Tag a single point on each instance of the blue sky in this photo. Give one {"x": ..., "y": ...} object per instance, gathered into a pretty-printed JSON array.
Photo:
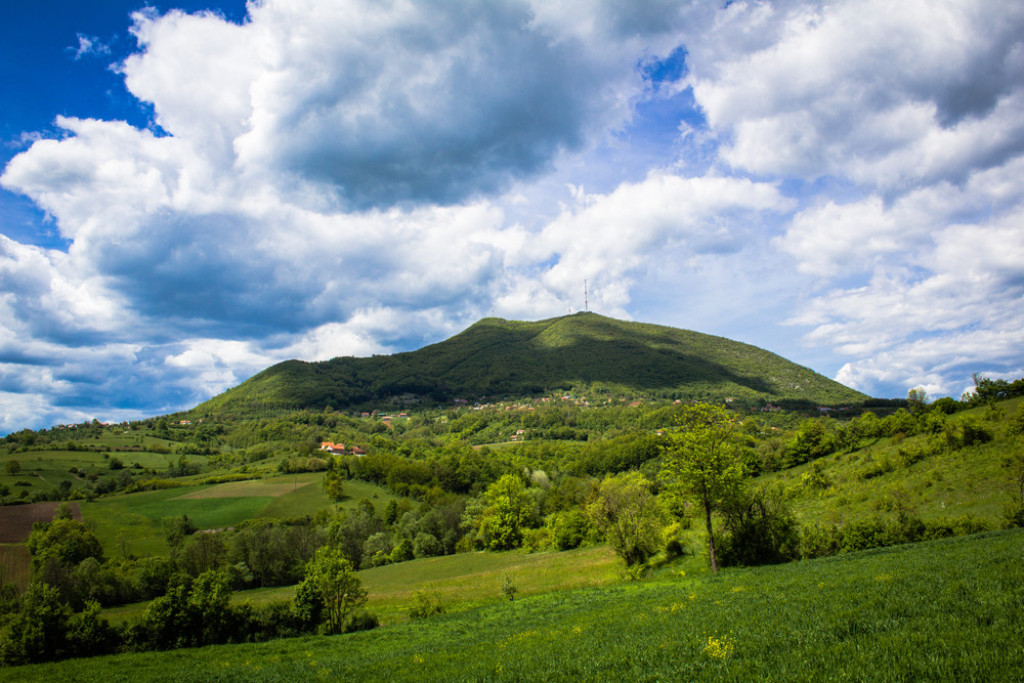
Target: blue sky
[{"x": 192, "y": 191}]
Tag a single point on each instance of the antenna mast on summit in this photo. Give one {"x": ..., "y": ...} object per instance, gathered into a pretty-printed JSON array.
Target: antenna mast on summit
[{"x": 586, "y": 303}]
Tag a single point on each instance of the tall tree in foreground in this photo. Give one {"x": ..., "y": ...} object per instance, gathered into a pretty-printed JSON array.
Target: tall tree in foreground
[
  {"x": 703, "y": 464},
  {"x": 331, "y": 591}
]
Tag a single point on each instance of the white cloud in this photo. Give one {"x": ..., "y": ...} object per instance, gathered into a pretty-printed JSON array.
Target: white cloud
[
  {"x": 88, "y": 46},
  {"x": 342, "y": 178},
  {"x": 607, "y": 238},
  {"x": 887, "y": 95}
]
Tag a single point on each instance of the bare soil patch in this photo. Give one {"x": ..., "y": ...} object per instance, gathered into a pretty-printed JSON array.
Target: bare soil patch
[{"x": 16, "y": 520}]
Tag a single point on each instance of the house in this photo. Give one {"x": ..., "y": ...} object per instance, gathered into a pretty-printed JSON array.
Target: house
[{"x": 331, "y": 447}]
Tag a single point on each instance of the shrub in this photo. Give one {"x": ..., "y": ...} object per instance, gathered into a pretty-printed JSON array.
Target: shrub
[
  {"x": 967, "y": 431},
  {"x": 815, "y": 477},
  {"x": 425, "y": 605},
  {"x": 568, "y": 529},
  {"x": 759, "y": 529},
  {"x": 426, "y": 545}
]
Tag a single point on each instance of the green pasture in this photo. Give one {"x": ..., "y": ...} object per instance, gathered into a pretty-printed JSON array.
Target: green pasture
[
  {"x": 916, "y": 477},
  {"x": 462, "y": 581},
  {"x": 948, "y": 610},
  {"x": 133, "y": 522},
  {"x": 44, "y": 470}
]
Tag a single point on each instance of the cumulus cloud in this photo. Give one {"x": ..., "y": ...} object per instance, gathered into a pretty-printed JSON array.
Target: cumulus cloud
[
  {"x": 943, "y": 273},
  {"x": 607, "y": 238},
  {"x": 345, "y": 178},
  {"x": 888, "y": 96}
]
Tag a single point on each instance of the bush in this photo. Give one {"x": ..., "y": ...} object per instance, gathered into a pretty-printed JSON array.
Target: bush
[
  {"x": 569, "y": 528},
  {"x": 759, "y": 529},
  {"x": 425, "y": 605},
  {"x": 967, "y": 431},
  {"x": 426, "y": 545}
]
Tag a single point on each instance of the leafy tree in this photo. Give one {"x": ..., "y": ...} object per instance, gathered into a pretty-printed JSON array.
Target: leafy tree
[
  {"x": 813, "y": 440},
  {"x": 57, "y": 548},
  {"x": 66, "y": 539},
  {"x": 569, "y": 528},
  {"x": 330, "y": 591},
  {"x": 349, "y": 534},
  {"x": 426, "y": 545},
  {"x": 12, "y": 467},
  {"x": 917, "y": 400},
  {"x": 89, "y": 635},
  {"x": 193, "y": 612},
  {"x": 177, "y": 528},
  {"x": 703, "y": 463},
  {"x": 334, "y": 485},
  {"x": 629, "y": 514},
  {"x": 508, "y": 509},
  {"x": 38, "y": 631},
  {"x": 200, "y": 553}
]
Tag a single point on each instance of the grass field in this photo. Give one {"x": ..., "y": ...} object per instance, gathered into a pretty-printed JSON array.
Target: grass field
[
  {"x": 463, "y": 581},
  {"x": 908, "y": 474},
  {"x": 44, "y": 470},
  {"x": 136, "y": 518},
  {"x": 460, "y": 582},
  {"x": 948, "y": 610}
]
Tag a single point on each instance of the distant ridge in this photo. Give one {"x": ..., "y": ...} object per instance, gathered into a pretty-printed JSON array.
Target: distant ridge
[{"x": 497, "y": 358}]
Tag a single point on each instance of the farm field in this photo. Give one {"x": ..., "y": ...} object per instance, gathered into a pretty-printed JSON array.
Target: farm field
[
  {"x": 941, "y": 610},
  {"x": 135, "y": 519},
  {"x": 15, "y": 526}
]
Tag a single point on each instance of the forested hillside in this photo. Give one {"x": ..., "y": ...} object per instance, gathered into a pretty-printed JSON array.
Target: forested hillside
[{"x": 497, "y": 359}]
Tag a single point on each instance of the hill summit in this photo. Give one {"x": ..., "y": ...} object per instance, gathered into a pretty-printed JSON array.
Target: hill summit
[{"x": 497, "y": 358}]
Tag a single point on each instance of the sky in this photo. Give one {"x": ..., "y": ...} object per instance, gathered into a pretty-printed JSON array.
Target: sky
[{"x": 192, "y": 191}]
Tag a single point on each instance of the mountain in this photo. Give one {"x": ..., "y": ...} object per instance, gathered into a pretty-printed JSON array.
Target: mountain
[{"x": 497, "y": 358}]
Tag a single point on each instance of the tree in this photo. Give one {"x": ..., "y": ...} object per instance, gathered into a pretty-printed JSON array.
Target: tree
[
  {"x": 759, "y": 527},
  {"x": 330, "y": 591},
  {"x": 628, "y": 513},
  {"x": 191, "y": 613},
  {"x": 12, "y": 467},
  {"x": 917, "y": 400},
  {"x": 702, "y": 463},
  {"x": 334, "y": 485},
  {"x": 57, "y": 548},
  {"x": 508, "y": 508},
  {"x": 38, "y": 631}
]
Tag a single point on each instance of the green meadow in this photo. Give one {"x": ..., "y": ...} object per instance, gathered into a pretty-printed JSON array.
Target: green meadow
[
  {"x": 911, "y": 474},
  {"x": 947, "y": 610},
  {"x": 133, "y": 522}
]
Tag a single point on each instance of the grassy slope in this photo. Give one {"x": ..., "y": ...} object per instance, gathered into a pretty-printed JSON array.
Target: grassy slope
[
  {"x": 460, "y": 582},
  {"x": 972, "y": 481},
  {"x": 500, "y": 357},
  {"x": 944, "y": 610},
  {"x": 44, "y": 470}
]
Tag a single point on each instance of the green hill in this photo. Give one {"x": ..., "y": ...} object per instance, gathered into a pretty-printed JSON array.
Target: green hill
[{"x": 497, "y": 358}]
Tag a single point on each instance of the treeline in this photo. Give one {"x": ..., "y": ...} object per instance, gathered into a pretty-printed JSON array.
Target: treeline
[{"x": 190, "y": 592}]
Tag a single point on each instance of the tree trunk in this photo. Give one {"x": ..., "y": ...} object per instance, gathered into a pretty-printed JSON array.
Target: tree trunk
[{"x": 711, "y": 538}]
